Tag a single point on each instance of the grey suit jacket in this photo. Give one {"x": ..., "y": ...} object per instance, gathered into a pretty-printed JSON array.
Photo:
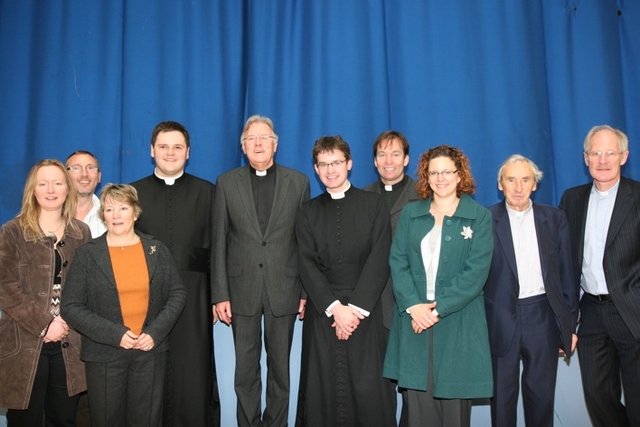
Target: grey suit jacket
[
  {"x": 407, "y": 196},
  {"x": 243, "y": 258},
  {"x": 621, "y": 261},
  {"x": 90, "y": 301}
]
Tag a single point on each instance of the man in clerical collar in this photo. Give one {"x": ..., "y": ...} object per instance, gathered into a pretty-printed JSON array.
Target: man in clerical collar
[
  {"x": 255, "y": 265},
  {"x": 84, "y": 169},
  {"x": 604, "y": 221},
  {"x": 177, "y": 208},
  {"x": 391, "y": 157},
  {"x": 344, "y": 236}
]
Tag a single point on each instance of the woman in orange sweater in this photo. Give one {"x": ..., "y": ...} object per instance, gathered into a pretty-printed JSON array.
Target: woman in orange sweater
[{"x": 123, "y": 295}]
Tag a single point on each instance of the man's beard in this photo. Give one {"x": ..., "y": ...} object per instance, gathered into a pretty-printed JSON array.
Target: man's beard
[{"x": 85, "y": 194}]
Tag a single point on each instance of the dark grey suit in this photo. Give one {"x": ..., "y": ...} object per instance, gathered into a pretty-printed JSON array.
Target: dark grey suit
[
  {"x": 90, "y": 303},
  {"x": 609, "y": 332},
  {"x": 258, "y": 274},
  {"x": 532, "y": 328}
]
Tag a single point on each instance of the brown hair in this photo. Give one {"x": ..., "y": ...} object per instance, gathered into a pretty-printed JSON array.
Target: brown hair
[
  {"x": 170, "y": 126},
  {"x": 331, "y": 144},
  {"x": 387, "y": 137},
  {"x": 78, "y": 152},
  {"x": 28, "y": 216},
  {"x": 467, "y": 184},
  {"x": 123, "y": 193}
]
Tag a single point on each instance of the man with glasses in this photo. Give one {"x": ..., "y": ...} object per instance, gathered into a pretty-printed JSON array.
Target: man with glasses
[
  {"x": 84, "y": 169},
  {"x": 344, "y": 236},
  {"x": 255, "y": 263},
  {"x": 604, "y": 221},
  {"x": 177, "y": 209}
]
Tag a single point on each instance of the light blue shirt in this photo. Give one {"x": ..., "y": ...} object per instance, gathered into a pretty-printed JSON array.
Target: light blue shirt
[{"x": 595, "y": 237}]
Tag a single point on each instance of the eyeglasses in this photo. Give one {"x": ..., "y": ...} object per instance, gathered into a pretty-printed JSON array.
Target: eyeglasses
[
  {"x": 78, "y": 168},
  {"x": 606, "y": 154},
  {"x": 261, "y": 138},
  {"x": 445, "y": 173},
  {"x": 333, "y": 164}
]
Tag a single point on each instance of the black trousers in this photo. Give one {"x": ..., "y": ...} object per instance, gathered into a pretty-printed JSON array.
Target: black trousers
[
  {"x": 128, "y": 391},
  {"x": 425, "y": 410},
  {"x": 49, "y": 396},
  {"x": 609, "y": 361}
]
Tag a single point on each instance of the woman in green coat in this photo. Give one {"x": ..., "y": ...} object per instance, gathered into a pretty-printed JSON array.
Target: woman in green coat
[{"x": 440, "y": 257}]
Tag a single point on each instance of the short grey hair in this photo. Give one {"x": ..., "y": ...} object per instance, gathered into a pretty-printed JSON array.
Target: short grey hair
[
  {"x": 537, "y": 173},
  {"x": 623, "y": 140},
  {"x": 256, "y": 118}
]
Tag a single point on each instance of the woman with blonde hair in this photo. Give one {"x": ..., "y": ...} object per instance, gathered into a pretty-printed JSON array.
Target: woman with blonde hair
[
  {"x": 40, "y": 368},
  {"x": 124, "y": 294}
]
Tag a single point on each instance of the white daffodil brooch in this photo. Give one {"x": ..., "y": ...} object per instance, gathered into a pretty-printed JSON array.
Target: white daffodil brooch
[
  {"x": 153, "y": 249},
  {"x": 467, "y": 232}
]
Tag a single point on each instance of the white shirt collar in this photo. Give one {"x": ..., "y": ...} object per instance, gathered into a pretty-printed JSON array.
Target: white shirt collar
[
  {"x": 341, "y": 194},
  {"x": 168, "y": 181}
]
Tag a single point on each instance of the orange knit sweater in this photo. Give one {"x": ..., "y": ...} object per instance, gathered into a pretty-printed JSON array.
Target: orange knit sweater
[{"x": 132, "y": 280}]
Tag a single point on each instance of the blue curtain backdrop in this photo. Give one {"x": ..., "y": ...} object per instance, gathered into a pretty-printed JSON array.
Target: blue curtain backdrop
[{"x": 492, "y": 77}]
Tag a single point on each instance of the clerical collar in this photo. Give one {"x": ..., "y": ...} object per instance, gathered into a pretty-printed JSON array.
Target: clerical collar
[
  {"x": 612, "y": 190},
  {"x": 397, "y": 186},
  {"x": 167, "y": 181},
  {"x": 269, "y": 170},
  {"x": 516, "y": 213},
  {"x": 341, "y": 194}
]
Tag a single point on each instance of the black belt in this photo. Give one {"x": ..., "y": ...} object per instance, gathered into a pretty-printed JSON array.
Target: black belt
[{"x": 601, "y": 297}]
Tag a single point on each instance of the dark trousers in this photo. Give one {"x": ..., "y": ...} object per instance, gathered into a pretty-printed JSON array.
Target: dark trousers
[
  {"x": 609, "y": 361},
  {"x": 83, "y": 413},
  {"x": 247, "y": 337},
  {"x": 49, "y": 396},
  {"x": 128, "y": 391},
  {"x": 191, "y": 388},
  {"x": 425, "y": 410},
  {"x": 536, "y": 342}
]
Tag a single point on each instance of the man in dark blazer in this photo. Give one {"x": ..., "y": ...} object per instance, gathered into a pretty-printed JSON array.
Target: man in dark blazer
[
  {"x": 531, "y": 297},
  {"x": 604, "y": 220},
  {"x": 391, "y": 157},
  {"x": 255, "y": 259}
]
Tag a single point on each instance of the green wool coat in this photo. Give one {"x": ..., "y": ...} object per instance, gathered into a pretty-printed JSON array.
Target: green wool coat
[{"x": 461, "y": 357}]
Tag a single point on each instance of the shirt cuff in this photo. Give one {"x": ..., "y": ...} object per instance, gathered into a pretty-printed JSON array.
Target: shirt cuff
[
  {"x": 364, "y": 312},
  {"x": 327, "y": 311}
]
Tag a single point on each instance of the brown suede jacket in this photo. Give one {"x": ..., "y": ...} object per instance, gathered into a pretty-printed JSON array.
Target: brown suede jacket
[{"x": 26, "y": 277}]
